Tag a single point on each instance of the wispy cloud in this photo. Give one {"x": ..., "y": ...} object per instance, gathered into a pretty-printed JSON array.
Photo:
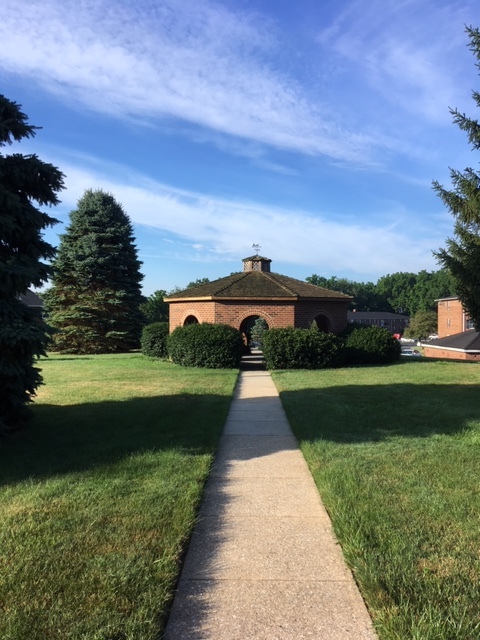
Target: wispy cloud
[
  {"x": 412, "y": 53},
  {"x": 209, "y": 228},
  {"x": 202, "y": 63}
]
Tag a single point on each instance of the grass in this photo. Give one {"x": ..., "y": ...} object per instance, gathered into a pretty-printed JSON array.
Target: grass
[
  {"x": 99, "y": 495},
  {"x": 395, "y": 454}
]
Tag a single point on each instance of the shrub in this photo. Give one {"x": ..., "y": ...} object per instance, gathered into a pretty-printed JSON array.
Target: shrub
[
  {"x": 213, "y": 346},
  {"x": 154, "y": 340},
  {"x": 301, "y": 349},
  {"x": 371, "y": 345}
]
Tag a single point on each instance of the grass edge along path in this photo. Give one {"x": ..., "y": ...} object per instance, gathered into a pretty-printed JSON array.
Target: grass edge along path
[
  {"x": 394, "y": 452},
  {"x": 100, "y": 493}
]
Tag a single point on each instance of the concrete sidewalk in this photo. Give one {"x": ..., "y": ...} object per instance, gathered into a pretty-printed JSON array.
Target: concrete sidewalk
[{"x": 263, "y": 563}]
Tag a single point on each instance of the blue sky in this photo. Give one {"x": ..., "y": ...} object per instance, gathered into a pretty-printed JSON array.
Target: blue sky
[{"x": 313, "y": 128}]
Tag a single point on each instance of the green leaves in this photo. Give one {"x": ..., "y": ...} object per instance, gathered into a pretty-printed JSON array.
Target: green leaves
[
  {"x": 95, "y": 299},
  {"x": 23, "y": 336},
  {"x": 462, "y": 253}
]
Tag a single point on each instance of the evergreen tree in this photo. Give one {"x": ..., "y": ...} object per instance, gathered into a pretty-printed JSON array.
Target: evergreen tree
[
  {"x": 23, "y": 181},
  {"x": 462, "y": 254},
  {"x": 258, "y": 330},
  {"x": 94, "y": 303}
]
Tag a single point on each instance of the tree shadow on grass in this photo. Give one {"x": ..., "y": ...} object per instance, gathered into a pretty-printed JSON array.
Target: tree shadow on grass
[
  {"x": 369, "y": 413},
  {"x": 65, "y": 439}
]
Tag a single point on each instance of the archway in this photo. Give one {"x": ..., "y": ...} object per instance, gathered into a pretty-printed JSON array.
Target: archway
[
  {"x": 191, "y": 319},
  {"x": 247, "y": 324},
  {"x": 323, "y": 323}
]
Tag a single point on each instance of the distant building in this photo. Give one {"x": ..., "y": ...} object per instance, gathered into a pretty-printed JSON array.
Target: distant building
[
  {"x": 452, "y": 318},
  {"x": 256, "y": 292},
  {"x": 457, "y": 339},
  {"x": 394, "y": 322}
]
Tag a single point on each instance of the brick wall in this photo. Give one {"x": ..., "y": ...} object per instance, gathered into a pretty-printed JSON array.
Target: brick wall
[
  {"x": 430, "y": 352},
  {"x": 334, "y": 312},
  {"x": 451, "y": 318},
  {"x": 278, "y": 314}
]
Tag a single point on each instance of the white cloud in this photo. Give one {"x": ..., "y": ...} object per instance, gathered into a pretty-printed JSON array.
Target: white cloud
[
  {"x": 211, "y": 228},
  {"x": 193, "y": 61},
  {"x": 413, "y": 53}
]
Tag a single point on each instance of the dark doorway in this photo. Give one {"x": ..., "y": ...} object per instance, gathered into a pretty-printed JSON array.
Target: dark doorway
[{"x": 322, "y": 323}]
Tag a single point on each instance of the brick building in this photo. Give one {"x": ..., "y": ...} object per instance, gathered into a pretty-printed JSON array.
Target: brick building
[
  {"x": 394, "y": 322},
  {"x": 457, "y": 339},
  {"x": 452, "y": 318},
  {"x": 256, "y": 292}
]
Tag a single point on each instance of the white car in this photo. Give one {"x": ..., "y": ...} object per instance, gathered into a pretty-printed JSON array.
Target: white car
[{"x": 411, "y": 352}]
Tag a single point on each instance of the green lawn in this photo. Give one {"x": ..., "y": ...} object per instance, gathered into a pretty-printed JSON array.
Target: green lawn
[
  {"x": 99, "y": 494},
  {"x": 395, "y": 452}
]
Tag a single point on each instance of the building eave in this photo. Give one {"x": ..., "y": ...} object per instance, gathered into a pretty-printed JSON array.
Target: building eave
[{"x": 250, "y": 299}]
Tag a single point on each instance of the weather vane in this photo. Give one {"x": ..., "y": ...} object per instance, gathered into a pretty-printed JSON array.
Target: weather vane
[{"x": 257, "y": 248}]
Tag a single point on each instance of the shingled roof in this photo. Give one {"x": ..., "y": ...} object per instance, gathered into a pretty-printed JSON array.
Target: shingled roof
[
  {"x": 468, "y": 341},
  {"x": 252, "y": 285}
]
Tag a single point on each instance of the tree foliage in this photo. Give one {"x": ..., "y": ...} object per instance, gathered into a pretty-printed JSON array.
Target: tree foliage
[
  {"x": 291, "y": 348},
  {"x": 422, "y": 325},
  {"x": 258, "y": 330},
  {"x": 365, "y": 295},
  {"x": 154, "y": 308},
  {"x": 371, "y": 345},
  {"x": 154, "y": 340},
  {"x": 210, "y": 346},
  {"x": 94, "y": 303},
  {"x": 401, "y": 292},
  {"x": 24, "y": 180},
  {"x": 461, "y": 256}
]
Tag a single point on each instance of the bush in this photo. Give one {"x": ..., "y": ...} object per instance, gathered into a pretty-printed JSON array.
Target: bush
[
  {"x": 213, "y": 346},
  {"x": 154, "y": 340},
  {"x": 371, "y": 345},
  {"x": 301, "y": 349}
]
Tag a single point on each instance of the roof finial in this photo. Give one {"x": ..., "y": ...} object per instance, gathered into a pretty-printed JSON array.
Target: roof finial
[{"x": 257, "y": 248}]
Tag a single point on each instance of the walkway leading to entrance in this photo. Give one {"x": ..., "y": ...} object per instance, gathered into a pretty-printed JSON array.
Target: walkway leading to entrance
[{"x": 263, "y": 563}]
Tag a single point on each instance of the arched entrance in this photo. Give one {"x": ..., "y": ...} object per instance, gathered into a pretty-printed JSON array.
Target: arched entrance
[
  {"x": 323, "y": 323},
  {"x": 247, "y": 325},
  {"x": 190, "y": 320}
]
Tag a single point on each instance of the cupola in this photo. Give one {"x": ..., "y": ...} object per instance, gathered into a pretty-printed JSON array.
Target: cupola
[{"x": 256, "y": 263}]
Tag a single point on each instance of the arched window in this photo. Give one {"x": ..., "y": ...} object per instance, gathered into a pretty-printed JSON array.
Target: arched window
[{"x": 190, "y": 320}]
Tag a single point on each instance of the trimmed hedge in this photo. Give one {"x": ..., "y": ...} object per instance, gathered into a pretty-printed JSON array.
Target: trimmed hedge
[
  {"x": 212, "y": 346},
  {"x": 153, "y": 341},
  {"x": 301, "y": 349},
  {"x": 371, "y": 345}
]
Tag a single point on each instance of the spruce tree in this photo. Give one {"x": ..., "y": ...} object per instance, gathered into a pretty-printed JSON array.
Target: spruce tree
[
  {"x": 24, "y": 180},
  {"x": 94, "y": 303},
  {"x": 462, "y": 253}
]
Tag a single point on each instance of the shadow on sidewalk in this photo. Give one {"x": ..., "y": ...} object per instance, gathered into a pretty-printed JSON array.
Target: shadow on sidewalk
[{"x": 253, "y": 362}]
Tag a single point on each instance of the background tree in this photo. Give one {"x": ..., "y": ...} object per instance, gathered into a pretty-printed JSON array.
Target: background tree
[
  {"x": 94, "y": 303},
  {"x": 23, "y": 181},
  {"x": 397, "y": 289},
  {"x": 462, "y": 254},
  {"x": 154, "y": 308},
  {"x": 430, "y": 286},
  {"x": 365, "y": 295},
  {"x": 400, "y": 292},
  {"x": 190, "y": 285},
  {"x": 197, "y": 283},
  {"x": 258, "y": 330},
  {"x": 422, "y": 324}
]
